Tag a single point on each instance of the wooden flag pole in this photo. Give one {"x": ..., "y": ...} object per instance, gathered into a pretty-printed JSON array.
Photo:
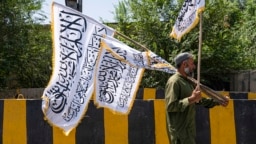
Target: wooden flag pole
[
  {"x": 199, "y": 51},
  {"x": 211, "y": 93},
  {"x": 136, "y": 43}
]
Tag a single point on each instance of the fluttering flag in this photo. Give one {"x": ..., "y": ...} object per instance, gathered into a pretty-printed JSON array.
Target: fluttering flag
[
  {"x": 119, "y": 71},
  {"x": 188, "y": 18},
  {"x": 76, "y": 44},
  {"x": 117, "y": 78},
  {"x": 155, "y": 62}
]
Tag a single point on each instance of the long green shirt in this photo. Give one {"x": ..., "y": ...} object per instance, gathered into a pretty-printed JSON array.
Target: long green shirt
[{"x": 179, "y": 113}]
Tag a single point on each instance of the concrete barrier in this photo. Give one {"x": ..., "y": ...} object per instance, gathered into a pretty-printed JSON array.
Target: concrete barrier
[{"x": 22, "y": 122}]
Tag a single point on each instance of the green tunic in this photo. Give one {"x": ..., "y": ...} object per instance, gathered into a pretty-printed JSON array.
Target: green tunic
[{"x": 179, "y": 113}]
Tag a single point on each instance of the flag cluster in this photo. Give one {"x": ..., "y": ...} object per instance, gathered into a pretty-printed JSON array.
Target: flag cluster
[{"x": 88, "y": 60}]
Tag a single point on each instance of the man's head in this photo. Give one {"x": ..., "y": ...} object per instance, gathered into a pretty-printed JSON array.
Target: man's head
[{"x": 184, "y": 62}]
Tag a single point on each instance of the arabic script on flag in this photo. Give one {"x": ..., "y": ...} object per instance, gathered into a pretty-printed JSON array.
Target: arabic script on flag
[
  {"x": 76, "y": 45},
  {"x": 188, "y": 18},
  {"x": 117, "y": 79}
]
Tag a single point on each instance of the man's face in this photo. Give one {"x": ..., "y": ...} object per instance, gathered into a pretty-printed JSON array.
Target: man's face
[{"x": 189, "y": 66}]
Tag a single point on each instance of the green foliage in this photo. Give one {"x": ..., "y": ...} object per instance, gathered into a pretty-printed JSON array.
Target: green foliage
[
  {"x": 228, "y": 36},
  {"x": 228, "y": 39},
  {"x": 25, "y": 47},
  {"x": 224, "y": 50},
  {"x": 150, "y": 23},
  {"x": 246, "y": 34}
]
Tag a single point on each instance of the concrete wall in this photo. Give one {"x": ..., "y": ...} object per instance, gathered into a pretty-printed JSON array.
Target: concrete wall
[
  {"x": 243, "y": 81},
  {"x": 22, "y": 122},
  {"x": 28, "y": 93}
]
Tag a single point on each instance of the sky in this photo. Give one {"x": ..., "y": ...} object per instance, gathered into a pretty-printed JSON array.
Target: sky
[{"x": 93, "y": 8}]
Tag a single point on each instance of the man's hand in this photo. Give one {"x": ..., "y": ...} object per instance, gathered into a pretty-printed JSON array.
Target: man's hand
[
  {"x": 195, "y": 97},
  {"x": 225, "y": 102}
]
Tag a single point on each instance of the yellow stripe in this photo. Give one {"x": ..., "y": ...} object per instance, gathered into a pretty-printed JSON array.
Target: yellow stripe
[
  {"x": 204, "y": 95},
  {"x": 251, "y": 95},
  {"x": 60, "y": 138},
  {"x": 116, "y": 128},
  {"x": 225, "y": 93},
  {"x": 160, "y": 123},
  {"x": 14, "y": 122},
  {"x": 149, "y": 93},
  {"x": 222, "y": 124}
]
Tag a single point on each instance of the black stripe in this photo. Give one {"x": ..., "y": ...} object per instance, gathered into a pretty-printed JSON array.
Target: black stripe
[
  {"x": 140, "y": 93},
  {"x": 91, "y": 128},
  {"x": 245, "y": 121},
  {"x": 159, "y": 93},
  {"x": 203, "y": 133},
  {"x": 39, "y": 131},
  {"x": 1, "y": 120},
  {"x": 234, "y": 95},
  {"x": 141, "y": 126}
]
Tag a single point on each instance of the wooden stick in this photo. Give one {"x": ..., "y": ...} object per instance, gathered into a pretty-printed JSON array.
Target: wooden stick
[
  {"x": 140, "y": 45},
  {"x": 199, "y": 51},
  {"x": 209, "y": 92},
  {"x": 136, "y": 43}
]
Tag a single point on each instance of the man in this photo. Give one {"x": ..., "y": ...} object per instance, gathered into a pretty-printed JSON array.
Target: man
[{"x": 181, "y": 97}]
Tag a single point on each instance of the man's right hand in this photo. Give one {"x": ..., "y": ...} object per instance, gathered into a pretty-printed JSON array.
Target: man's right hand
[{"x": 195, "y": 97}]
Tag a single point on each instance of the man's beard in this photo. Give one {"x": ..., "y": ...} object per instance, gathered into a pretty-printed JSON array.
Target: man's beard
[{"x": 188, "y": 72}]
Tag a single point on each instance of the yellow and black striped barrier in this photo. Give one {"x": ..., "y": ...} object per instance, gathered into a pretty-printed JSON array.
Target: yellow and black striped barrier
[{"x": 22, "y": 122}]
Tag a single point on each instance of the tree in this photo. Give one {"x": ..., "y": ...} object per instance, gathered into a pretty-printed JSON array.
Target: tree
[
  {"x": 25, "y": 45},
  {"x": 224, "y": 50},
  {"x": 246, "y": 34},
  {"x": 150, "y": 23},
  {"x": 141, "y": 20}
]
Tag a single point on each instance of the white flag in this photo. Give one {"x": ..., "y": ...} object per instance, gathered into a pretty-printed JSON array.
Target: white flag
[
  {"x": 155, "y": 62},
  {"x": 188, "y": 18},
  {"x": 147, "y": 59},
  {"x": 117, "y": 79},
  {"x": 119, "y": 72},
  {"x": 76, "y": 39}
]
